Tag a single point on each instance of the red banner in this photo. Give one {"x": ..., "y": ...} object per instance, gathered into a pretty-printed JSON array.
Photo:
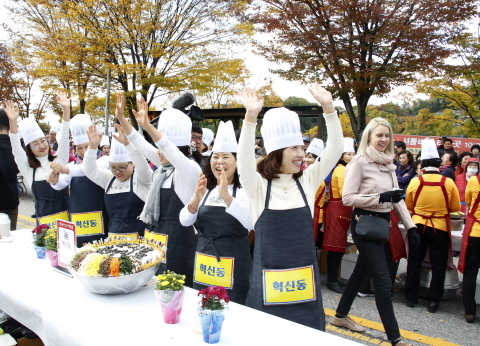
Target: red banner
[{"x": 414, "y": 143}]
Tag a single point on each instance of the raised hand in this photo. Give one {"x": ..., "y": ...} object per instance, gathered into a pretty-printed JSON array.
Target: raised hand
[
  {"x": 120, "y": 136},
  {"x": 322, "y": 96},
  {"x": 12, "y": 111},
  {"x": 63, "y": 100},
  {"x": 142, "y": 115},
  {"x": 120, "y": 106},
  {"x": 93, "y": 137},
  {"x": 223, "y": 189},
  {"x": 200, "y": 189},
  {"x": 253, "y": 103}
]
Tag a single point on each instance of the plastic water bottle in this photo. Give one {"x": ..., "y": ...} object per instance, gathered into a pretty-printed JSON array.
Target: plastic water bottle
[{"x": 4, "y": 225}]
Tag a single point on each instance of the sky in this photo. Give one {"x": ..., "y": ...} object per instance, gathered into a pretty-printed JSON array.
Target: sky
[{"x": 259, "y": 68}]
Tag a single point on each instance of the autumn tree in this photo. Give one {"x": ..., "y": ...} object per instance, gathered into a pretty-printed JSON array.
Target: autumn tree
[
  {"x": 362, "y": 47},
  {"x": 7, "y": 70},
  {"x": 220, "y": 82},
  {"x": 459, "y": 83}
]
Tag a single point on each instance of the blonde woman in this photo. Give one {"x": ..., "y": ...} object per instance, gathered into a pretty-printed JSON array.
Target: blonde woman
[{"x": 370, "y": 184}]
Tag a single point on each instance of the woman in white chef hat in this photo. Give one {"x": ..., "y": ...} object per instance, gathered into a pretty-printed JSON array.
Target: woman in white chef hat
[
  {"x": 34, "y": 161},
  {"x": 220, "y": 209},
  {"x": 173, "y": 185},
  {"x": 285, "y": 278},
  {"x": 126, "y": 183},
  {"x": 87, "y": 208}
]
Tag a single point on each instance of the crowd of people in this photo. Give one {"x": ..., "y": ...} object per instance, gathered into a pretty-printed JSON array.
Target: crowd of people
[{"x": 205, "y": 196}]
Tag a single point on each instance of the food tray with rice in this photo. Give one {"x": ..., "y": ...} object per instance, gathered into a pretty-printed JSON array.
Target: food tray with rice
[{"x": 114, "y": 267}]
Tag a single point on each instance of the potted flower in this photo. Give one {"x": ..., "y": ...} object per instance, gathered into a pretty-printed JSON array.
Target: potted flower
[
  {"x": 51, "y": 246},
  {"x": 169, "y": 293},
  {"x": 39, "y": 234},
  {"x": 212, "y": 312}
]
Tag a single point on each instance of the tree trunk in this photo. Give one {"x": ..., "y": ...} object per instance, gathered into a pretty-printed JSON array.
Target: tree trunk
[
  {"x": 82, "y": 105},
  {"x": 131, "y": 103}
]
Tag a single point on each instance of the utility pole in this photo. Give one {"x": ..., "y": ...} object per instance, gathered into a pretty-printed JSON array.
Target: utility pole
[{"x": 107, "y": 106}]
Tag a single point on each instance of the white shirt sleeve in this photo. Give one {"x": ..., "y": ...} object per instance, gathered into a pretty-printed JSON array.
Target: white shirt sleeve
[
  {"x": 247, "y": 165},
  {"x": 101, "y": 177},
  {"x": 240, "y": 209},
  {"x": 20, "y": 156},
  {"x": 63, "y": 145},
  {"x": 186, "y": 218},
  {"x": 316, "y": 174},
  {"x": 142, "y": 169},
  {"x": 145, "y": 148}
]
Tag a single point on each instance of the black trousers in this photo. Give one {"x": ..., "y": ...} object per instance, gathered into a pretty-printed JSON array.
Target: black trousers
[
  {"x": 392, "y": 268},
  {"x": 439, "y": 247},
  {"x": 469, "y": 283},
  {"x": 372, "y": 263}
]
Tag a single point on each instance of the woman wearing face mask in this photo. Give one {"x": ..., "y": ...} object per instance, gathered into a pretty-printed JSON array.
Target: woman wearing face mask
[
  {"x": 126, "y": 183},
  {"x": 218, "y": 201},
  {"x": 371, "y": 188},
  {"x": 35, "y": 165},
  {"x": 469, "y": 259},
  {"x": 173, "y": 185},
  {"x": 462, "y": 160},
  {"x": 471, "y": 168},
  {"x": 337, "y": 219},
  {"x": 282, "y": 200}
]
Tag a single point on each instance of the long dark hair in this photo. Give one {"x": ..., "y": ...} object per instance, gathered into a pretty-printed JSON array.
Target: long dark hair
[
  {"x": 341, "y": 161},
  {"x": 269, "y": 168},
  {"x": 212, "y": 180},
  {"x": 32, "y": 159},
  {"x": 197, "y": 156}
]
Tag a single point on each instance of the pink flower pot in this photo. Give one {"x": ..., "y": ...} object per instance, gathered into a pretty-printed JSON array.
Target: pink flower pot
[
  {"x": 171, "y": 303},
  {"x": 53, "y": 256}
]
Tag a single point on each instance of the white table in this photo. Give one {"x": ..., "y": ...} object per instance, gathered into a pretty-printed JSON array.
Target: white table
[{"x": 63, "y": 313}]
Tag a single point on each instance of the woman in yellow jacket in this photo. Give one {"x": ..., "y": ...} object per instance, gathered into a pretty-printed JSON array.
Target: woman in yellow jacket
[
  {"x": 469, "y": 260},
  {"x": 337, "y": 220},
  {"x": 431, "y": 197}
]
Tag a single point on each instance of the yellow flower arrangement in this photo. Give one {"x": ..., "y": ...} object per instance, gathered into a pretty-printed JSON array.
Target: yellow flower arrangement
[
  {"x": 170, "y": 281},
  {"x": 51, "y": 240}
]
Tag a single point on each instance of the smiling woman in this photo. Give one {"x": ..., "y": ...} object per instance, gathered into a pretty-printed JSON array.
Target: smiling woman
[
  {"x": 34, "y": 162},
  {"x": 282, "y": 199}
]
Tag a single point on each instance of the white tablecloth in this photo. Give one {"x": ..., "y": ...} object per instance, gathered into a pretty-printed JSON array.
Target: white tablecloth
[
  {"x": 63, "y": 313},
  {"x": 456, "y": 237}
]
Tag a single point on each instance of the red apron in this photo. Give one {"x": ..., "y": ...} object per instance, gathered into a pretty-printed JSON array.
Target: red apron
[
  {"x": 336, "y": 222},
  {"x": 467, "y": 229},
  {"x": 316, "y": 213},
  {"x": 397, "y": 245},
  {"x": 430, "y": 218}
]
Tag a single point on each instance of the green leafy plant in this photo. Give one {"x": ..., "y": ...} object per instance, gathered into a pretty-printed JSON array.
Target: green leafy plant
[{"x": 170, "y": 281}]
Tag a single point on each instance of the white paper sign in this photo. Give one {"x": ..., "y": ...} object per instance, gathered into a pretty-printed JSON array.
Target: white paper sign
[{"x": 66, "y": 242}]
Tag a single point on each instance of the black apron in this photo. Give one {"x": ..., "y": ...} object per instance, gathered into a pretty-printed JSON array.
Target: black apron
[
  {"x": 123, "y": 210},
  {"x": 86, "y": 197},
  {"x": 284, "y": 239},
  {"x": 48, "y": 201},
  {"x": 222, "y": 235},
  {"x": 182, "y": 241}
]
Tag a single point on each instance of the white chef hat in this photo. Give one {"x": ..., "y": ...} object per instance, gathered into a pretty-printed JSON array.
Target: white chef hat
[
  {"x": 225, "y": 142},
  {"x": 280, "y": 129},
  {"x": 429, "y": 149},
  {"x": 207, "y": 136},
  {"x": 56, "y": 127},
  {"x": 29, "y": 130},
  {"x": 79, "y": 126},
  {"x": 348, "y": 145},
  {"x": 176, "y": 126},
  {"x": 316, "y": 147},
  {"x": 118, "y": 152},
  {"x": 105, "y": 141}
]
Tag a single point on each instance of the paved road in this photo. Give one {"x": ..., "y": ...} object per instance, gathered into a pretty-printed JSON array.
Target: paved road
[{"x": 444, "y": 328}]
